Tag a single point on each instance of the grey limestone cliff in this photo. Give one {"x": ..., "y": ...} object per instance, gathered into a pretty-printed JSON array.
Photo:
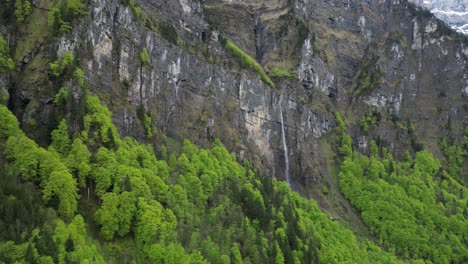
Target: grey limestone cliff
[{"x": 351, "y": 56}]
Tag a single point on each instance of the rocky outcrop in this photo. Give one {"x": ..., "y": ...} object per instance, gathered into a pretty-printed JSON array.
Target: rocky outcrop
[{"x": 454, "y": 12}]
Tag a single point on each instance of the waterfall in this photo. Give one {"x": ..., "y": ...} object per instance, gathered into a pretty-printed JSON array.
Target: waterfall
[{"x": 285, "y": 147}]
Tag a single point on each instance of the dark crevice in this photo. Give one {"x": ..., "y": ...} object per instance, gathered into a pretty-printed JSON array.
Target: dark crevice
[{"x": 258, "y": 38}]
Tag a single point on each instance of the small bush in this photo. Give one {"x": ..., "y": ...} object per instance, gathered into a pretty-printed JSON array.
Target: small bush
[
  {"x": 246, "y": 61},
  {"x": 63, "y": 66},
  {"x": 6, "y": 63},
  {"x": 62, "y": 14},
  {"x": 410, "y": 127},
  {"x": 63, "y": 96},
  {"x": 147, "y": 122},
  {"x": 144, "y": 57},
  {"x": 146, "y": 119},
  {"x": 344, "y": 141},
  {"x": 368, "y": 77},
  {"x": 4, "y": 96},
  {"x": 79, "y": 76},
  {"x": 22, "y": 9},
  {"x": 325, "y": 189},
  {"x": 135, "y": 8},
  {"x": 364, "y": 125},
  {"x": 369, "y": 120}
]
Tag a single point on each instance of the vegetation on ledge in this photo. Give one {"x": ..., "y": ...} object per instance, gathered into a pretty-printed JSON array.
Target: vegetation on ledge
[
  {"x": 368, "y": 76},
  {"x": 6, "y": 62},
  {"x": 246, "y": 61},
  {"x": 282, "y": 73},
  {"x": 62, "y": 14}
]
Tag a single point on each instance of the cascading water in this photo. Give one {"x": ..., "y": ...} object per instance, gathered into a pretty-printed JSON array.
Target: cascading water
[{"x": 285, "y": 147}]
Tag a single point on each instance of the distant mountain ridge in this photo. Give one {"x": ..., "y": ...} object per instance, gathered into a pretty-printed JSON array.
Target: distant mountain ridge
[{"x": 454, "y": 12}]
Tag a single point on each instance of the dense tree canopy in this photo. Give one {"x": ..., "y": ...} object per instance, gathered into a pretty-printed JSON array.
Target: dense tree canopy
[
  {"x": 199, "y": 206},
  {"x": 417, "y": 209},
  {"x": 202, "y": 206}
]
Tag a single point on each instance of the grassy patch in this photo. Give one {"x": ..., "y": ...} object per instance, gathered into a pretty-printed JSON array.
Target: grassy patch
[
  {"x": 283, "y": 73},
  {"x": 135, "y": 8},
  {"x": 317, "y": 50},
  {"x": 368, "y": 76},
  {"x": 144, "y": 57},
  {"x": 246, "y": 61}
]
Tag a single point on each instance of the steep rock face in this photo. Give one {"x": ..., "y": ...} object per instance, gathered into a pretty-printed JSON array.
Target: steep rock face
[
  {"x": 421, "y": 72},
  {"x": 188, "y": 96},
  {"x": 454, "y": 12},
  {"x": 194, "y": 89}
]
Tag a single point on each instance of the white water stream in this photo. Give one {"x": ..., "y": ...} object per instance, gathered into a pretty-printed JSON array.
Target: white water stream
[{"x": 285, "y": 148}]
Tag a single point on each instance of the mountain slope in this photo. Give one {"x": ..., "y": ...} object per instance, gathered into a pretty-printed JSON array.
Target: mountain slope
[
  {"x": 345, "y": 58},
  {"x": 295, "y": 89},
  {"x": 197, "y": 207}
]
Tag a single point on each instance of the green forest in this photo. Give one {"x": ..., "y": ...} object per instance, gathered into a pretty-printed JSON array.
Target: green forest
[
  {"x": 92, "y": 197},
  {"x": 417, "y": 209}
]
